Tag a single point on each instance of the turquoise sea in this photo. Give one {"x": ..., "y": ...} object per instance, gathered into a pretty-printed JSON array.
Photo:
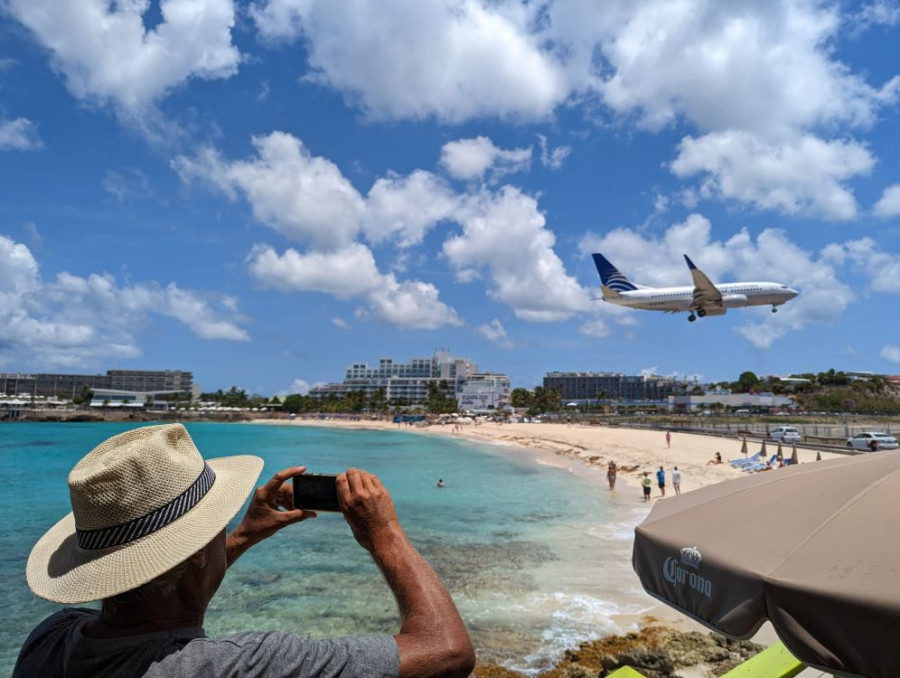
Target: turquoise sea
[{"x": 536, "y": 556}]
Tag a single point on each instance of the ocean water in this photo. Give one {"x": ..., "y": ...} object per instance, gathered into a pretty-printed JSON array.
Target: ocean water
[{"x": 536, "y": 556}]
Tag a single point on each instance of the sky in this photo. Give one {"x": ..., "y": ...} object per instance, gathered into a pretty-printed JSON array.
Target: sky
[{"x": 266, "y": 191}]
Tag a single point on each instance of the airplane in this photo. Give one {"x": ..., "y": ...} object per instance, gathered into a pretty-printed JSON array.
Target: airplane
[{"x": 704, "y": 298}]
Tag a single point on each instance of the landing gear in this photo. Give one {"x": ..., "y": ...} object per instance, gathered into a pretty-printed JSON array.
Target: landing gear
[
  {"x": 692, "y": 317},
  {"x": 774, "y": 310},
  {"x": 701, "y": 313}
]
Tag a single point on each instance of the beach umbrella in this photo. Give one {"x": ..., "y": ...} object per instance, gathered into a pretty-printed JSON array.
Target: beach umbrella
[
  {"x": 744, "y": 447},
  {"x": 762, "y": 450},
  {"x": 779, "y": 453},
  {"x": 818, "y": 456},
  {"x": 824, "y": 574},
  {"x": 794, "y": 458}
]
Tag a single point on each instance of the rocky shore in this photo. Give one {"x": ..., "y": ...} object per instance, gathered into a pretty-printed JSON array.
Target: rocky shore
[{"x": 656, "y": 651}]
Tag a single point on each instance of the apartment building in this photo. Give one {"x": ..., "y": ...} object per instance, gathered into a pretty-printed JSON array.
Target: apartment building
[
  {"x": 402, "y": 382},
  {"x": 69, "y": 386},
  {"x": 612, "y": 387}
]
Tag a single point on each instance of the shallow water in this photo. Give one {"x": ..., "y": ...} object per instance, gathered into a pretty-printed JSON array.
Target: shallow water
[{"x": 536, "y": 557}]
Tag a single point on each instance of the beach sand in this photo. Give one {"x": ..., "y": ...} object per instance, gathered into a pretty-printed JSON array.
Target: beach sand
[{"x": 633, "y": 450}]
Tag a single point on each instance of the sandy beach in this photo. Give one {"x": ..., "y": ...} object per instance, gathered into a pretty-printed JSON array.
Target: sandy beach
[{"x": 633, "y": 450}]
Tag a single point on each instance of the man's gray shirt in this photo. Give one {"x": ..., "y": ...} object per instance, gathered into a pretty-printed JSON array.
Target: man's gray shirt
[{"x": 58, "y": 648}]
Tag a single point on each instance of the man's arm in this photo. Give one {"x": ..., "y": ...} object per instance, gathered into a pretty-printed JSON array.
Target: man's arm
[
  {"x": 433, "y": 640},
  {"x": 271, "y": 508}
]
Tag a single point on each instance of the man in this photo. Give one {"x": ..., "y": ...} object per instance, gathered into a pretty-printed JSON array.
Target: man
[
  {"x": 147, "y": 537},
  {"x": 676, "y": 480},
  {"x": 646, "y": 483},
  {"x": 661, "y": 481}
]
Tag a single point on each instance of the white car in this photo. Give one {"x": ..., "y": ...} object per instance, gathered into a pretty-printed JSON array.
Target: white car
[
  {"x": 863, "y": 441},
  {"x": 786, "y": 434}
]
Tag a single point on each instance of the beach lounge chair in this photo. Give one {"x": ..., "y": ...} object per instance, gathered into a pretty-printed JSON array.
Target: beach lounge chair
[
  {"x": 747, "y": 460},
  {"x": 625, "y": 672},
  {"x": 753, "y": 468},
  {"x": 773, "y": 662}
]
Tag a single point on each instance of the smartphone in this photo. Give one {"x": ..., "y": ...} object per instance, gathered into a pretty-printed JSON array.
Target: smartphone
[{"x": 316, "y": 492}]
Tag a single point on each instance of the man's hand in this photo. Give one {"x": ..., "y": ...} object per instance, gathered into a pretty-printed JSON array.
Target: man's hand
[
  {"x": 367, "y": 508},
  {"x": 433, "y": 640},
  {"x": 271, "y": 508}
]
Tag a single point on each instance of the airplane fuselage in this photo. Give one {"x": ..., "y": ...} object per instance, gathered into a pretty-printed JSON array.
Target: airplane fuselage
[{"x": 734, "y": 295}]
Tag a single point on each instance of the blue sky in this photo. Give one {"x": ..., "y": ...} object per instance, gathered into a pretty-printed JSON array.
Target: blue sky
[{"x": 264, "y": 192}]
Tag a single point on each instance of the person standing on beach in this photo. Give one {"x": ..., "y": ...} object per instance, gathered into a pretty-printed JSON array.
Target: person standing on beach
[
  {"x": 646, "y": 483},
  {"x": 668, "y": 439},
  {"x": 147, "y": 537},
  {"x": 611, "y": 474},
  {"x": 676, "y": 480},
  {"x": 661, "y": 481}
]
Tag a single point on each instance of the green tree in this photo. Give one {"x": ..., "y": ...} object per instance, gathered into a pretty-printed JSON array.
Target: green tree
[
  {"x": 748, "y": 381},
  {"x": 355, "y": 401},
  {"x": 439, "y": 401},
  {"x": 378, "y": 400},
  {"x": 83, "y": 398},
  {"x": 521, "y": 397}
]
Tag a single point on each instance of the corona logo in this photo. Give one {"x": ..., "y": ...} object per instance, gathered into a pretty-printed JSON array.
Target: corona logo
[
  {"x": 691, "y": 557},
  {"x": 675, "y": 574}
]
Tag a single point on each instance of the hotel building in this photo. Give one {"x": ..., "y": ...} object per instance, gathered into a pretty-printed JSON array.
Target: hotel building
[{"x": 403, "y": 382}]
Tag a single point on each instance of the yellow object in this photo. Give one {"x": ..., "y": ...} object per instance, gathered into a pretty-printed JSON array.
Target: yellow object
[
  {"x": 625, "y": 672},
  {"x": 773, "y": 662}
]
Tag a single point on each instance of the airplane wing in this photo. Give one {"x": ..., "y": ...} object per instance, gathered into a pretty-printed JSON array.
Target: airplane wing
[{"x": 706, "y": 295}]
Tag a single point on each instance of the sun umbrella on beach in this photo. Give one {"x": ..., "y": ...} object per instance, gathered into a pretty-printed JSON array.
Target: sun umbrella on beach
[
  {"x": 744, "y": 447},
  {"x": 794, "y": 458},
  {"x": 779, "y": 453},
  {"x": 824, "y": 572},
  {"x": 762, "y": 450},
  {"x": 818, "y": 456}
]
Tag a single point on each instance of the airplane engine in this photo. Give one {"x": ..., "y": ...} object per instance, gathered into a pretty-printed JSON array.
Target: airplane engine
[{"x": 734, "y": 300}]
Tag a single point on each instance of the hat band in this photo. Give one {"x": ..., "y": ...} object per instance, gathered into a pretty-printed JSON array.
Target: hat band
[{"x": 157, "y": 519}]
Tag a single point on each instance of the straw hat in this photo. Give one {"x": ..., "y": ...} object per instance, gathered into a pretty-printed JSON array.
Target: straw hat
[{"x": 142, "y": 502}]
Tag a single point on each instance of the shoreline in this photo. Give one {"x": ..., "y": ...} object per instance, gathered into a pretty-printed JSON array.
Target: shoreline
[
  {"x": 586, "y": 450},
  {"x": 633, "y": 450}
]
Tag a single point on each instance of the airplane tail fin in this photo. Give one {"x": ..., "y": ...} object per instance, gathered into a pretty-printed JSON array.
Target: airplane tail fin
[{"x": 611, "y": 277}]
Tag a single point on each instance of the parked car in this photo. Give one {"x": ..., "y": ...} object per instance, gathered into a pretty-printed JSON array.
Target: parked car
[
  {"x": 786, "y": 434},
  {"x": 863, "y": 441}
]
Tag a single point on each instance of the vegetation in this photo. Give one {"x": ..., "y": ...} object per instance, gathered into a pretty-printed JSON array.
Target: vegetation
[{"x": 539, "y": 401}]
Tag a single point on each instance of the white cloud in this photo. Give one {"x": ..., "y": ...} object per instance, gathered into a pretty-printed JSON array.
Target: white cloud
[
  {"x": 889, "y": 203},
  {"x": 352, "y": 273},
  {"x": 19, "y": 135},
  {"x": 882, "y": 268},
  {"x": 804, "y": 175},
  {"x": 300, "y": 386},
  {"x": 552, "y": 157},
  {"x": 505, "y": 233},
  {"x": 75, "y": 321},
  {"x": 766, "y": 67},
  {"x": 410, "y": 304},
  {"x": 877, "y": 13},
  {"x": 341, "y": 323},
  {"x": 773, "y": 256},
  {"x": 130, "y": 182},
  {"x": 471, "y": 158},
  {"x": 891, "y": 353},
  {"x": 405, "y": 208},
  {"x": 595, "y": 328},
  {"x": 495, "y": 333},
  {"x": 303, "y": 197},
  {"x": 107, "y": 54},
  {"x": 451, "y": 59}
]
